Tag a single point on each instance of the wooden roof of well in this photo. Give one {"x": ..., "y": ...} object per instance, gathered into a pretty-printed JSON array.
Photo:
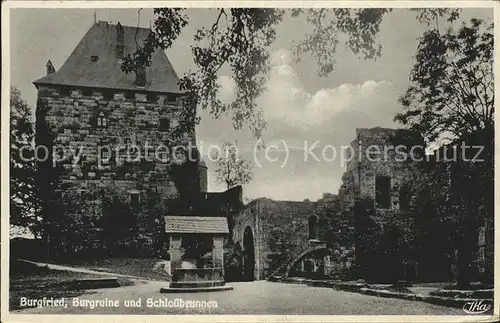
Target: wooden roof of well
[{"x": 196, "y": 224}]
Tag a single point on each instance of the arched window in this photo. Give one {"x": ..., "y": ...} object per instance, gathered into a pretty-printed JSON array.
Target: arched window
[
  {"x": 313, "y": 228},
  {"x": 101, "y": 120}
]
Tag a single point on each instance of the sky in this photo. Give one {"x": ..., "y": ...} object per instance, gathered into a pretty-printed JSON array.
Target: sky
[{"x": 308, "y": 116}]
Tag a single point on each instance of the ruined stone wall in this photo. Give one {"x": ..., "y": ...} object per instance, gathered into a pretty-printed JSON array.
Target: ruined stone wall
[
  {"x": 374, "y": 155},
  {"x": 280, "y": 230},
  {"x": 247, "y": 217},
  {"x": 367, "y": 164}
]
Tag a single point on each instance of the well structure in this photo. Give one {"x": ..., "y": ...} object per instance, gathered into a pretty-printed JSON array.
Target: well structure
[{"x": 208, "y": 278}]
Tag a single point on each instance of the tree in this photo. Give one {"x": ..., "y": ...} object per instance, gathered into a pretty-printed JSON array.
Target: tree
[
  {"x": 451, "y": 97},
  {"x": 23, "y": 200},
  {"x": 451, "y": 90},
  {"x": 231, "y": 169},
  {"x": 239, "y": 39},
  {"x": 70, "y": 229},
  {"x": 360, "y": 28}
]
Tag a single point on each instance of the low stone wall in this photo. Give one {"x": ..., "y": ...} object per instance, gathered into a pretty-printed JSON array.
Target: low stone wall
[
  {"x": 363, "y": 288},
  {"x": 198, "y": 274},
  {"x": 476, "y": 294},
  {"x": 197, "y": 278}
]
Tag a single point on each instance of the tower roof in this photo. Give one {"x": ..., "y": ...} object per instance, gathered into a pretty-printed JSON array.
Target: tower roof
[{"x": 94, "y": 62}]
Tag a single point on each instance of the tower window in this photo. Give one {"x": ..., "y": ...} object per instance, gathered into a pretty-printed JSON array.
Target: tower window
[
  {"x": 108, "y": 95},
  {"x": 135, "y": 200},
  {"x": 164, "y": 124},
  {"x": 152, "y": 97},
  {"x": 171, "y": 98},
  {"x": 130, "y": 95},
  {"x": 313, "y": 228},
  {"x": 64, "y": 90},
  {"x": 101, "y": 120},
  {"x": 87, "y": 92},
  {"x": 383, "y": 192},
  {"x": 105, "y": 156}
]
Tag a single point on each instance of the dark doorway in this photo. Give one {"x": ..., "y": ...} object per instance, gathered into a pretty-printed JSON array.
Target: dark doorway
[
  {"x": 313, "y": 228},
  {"x": 248, "y": 255},
  {"x": 383, "y": 192}
]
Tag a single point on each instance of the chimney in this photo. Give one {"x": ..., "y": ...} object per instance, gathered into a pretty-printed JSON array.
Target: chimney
[
  {"x": 140, "y": 76},
  {"x": 50, "y": 67},
  {"x": 120, "y": 43}
]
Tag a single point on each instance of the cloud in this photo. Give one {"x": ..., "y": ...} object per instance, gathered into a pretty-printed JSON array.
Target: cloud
[{"x": 286, "y": 99}]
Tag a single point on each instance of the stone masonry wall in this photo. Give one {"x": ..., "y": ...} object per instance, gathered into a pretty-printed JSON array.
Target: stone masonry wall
[
  {"x": 359, "y": 178},
  {"x": 131, "y": 119},
  {"x": 280, "y": 230}
]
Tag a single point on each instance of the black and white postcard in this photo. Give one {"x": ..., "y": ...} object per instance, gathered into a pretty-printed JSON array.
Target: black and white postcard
[{"x": 249, "y": 161}]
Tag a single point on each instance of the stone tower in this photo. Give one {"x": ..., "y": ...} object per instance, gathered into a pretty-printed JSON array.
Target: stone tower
[{"x": 100, "y": 120}]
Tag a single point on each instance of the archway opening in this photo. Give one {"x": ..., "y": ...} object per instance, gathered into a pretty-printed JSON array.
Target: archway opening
[
  {"x": 310, "y": 264},
  {"x": 248, "y": 255}
]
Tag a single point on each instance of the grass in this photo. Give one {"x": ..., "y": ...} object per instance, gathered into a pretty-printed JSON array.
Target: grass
[
  {"x": 140, "y": 267},
  {"x": 31, "y": 281}
]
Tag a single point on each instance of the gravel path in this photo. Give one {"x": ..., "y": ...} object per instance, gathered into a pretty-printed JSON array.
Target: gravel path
[{"x": 260, "y": 297}]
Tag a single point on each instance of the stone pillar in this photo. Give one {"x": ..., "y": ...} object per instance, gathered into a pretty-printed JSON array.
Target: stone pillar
[
  {"x": 175, "y": 252},
  {"x": 218, "y": 252},
  {"x": 326, "y": 262}
]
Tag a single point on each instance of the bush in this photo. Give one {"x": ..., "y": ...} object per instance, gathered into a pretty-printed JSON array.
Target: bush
[
  {"x": 233, "y": 264},
  {"x": 26, "y": 248}
]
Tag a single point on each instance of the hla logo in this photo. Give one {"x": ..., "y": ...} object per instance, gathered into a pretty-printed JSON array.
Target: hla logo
[{"x": 477, "y": 307}]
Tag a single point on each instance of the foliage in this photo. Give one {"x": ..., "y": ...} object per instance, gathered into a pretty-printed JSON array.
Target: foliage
[
  {"x": 70, "y": 228},
  {"x": 47, "y": 177},
  {"x": 103, "y": 221},
  {"x": 359, "y": 27},
  {"x": 187, "y": 183},
  {"x": 452, "y": 196},
  {"x": 133, "y": 229},
  {"x": 196, "y": 246},
  {"x": 333, "y": 223},
  {"x": 451, "y": 90},
  {"x": 152, "y": 220},
  {"x": 118, "y": 221},
  {"x": 231, "y": 169},
  {"x": 451, "y": 97},
  {"x": 381, "y": 242},
  {"x": 239, "y": 39},
  {"x": 23, "y": 200}
]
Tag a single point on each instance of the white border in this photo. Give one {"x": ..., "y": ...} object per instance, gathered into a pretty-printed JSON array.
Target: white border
[{"x": 9, "y": 317}]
